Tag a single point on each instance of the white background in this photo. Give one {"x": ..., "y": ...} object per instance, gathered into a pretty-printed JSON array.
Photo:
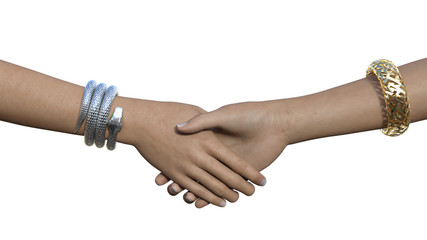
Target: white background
[{"x": 211, "y": 53}]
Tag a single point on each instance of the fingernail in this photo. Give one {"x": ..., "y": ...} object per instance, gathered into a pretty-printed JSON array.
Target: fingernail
[
  {"x": 187, "y": 200},
  {"x": 172, "y": 190},
  {"x": 223, "y": 204},
  {"x": 181, "y": 124},
  {"x": 263, "y": 182}
]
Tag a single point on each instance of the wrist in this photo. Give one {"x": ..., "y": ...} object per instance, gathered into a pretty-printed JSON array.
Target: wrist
[
  {"x": 130, "y": 118},
  {"x": 143, "y": 117},
  {"x": 281, "y": 118},
  {"x": 349, "y": 108},
  {"x": 295, "y": 119}
]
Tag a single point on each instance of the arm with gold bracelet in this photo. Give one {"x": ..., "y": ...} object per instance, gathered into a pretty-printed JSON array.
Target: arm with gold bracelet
[{"x": 259, "y": 131}]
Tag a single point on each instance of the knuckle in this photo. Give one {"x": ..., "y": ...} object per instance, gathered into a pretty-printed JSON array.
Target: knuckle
[
  {"x": 197, "y": 119},
  {"x": 200, "y": 161},
  {"x": 205, "y": 194},
  {"x": 198, "y": 109},
  {"x": 236, "y": 181},
  {"x": 191, "y": 168},
  {"x": 242, "y": 167},
  {"x": 232, "y": 181},
  {"x": 202, "y": 194},
  {"x": 215, "y": 146},
  {"x": 222, "y": 191},
  {"x": 208, "y": 142}
]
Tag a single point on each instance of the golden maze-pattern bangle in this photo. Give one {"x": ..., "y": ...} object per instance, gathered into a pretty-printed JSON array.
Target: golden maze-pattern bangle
[{"x": 395, "y": 96}]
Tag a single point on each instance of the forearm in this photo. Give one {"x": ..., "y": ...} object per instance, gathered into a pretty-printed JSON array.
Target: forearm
[
  {"x": 354, "y": 107},
  {"x": 200, "y": 162},
  {"x": 37, "y": 100}
]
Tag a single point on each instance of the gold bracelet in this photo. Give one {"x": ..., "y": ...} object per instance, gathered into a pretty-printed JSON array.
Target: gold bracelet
[{"x": 395, "y": 96}]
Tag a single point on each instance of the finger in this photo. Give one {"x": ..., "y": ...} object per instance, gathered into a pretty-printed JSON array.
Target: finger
[
  {"x": 226, "y": 175},
  {"x": 189, "y": 197},
  {"x": 200, "y": 203},
  {"x": 199, "y": 190},
  {"x": 174, "y": 189},
  {"x": 201, "y": 122},
  {"x": 161, "y": 179},
  {"x": 213, "y": 184},
  {"x": 238, "y": 165}
]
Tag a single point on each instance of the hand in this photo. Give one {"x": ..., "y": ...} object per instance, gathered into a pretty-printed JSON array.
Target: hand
[
  {"x": 254, "y": 131},
  {"x": 198, "y": 162}
]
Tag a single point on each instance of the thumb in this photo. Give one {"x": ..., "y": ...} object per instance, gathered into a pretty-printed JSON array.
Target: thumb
[{"x": 200, "y": 122}]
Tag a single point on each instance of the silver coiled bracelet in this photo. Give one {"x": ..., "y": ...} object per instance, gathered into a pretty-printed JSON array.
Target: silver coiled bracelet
[
  {"x": 95, "y": 108},
  {"x": 87, "y": 97},
  {"x": 104, "y": 111},
  {"x": 92, "y": 116}
]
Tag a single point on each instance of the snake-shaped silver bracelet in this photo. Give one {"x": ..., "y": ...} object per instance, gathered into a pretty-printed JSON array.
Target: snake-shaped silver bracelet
[
  {"x": 92, "y": 116},
  {"x": 84, "y": 107},
  {"x": 104, "y": 111},
  {"x": 114, "y": 126},
  {"x": 96, "y": 105}
]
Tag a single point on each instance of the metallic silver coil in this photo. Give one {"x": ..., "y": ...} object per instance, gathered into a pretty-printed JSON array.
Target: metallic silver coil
[
  {"x": 104, "y": 111},
  {"x": 114, "y": 126},
  {"x": 92, "y": 115},
  {"x": 84, "y": 107}
]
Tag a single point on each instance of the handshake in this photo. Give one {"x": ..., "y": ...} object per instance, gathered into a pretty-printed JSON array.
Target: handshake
[{"x": 215, "y": 154}]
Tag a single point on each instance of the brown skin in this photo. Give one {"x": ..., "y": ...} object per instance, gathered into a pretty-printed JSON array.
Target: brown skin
[
  {"x": 198, "y": 162},
  {"x": 259, "y": 132}
]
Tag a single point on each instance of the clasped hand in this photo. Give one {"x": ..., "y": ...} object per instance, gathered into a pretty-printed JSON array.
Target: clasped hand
[{"x": 213, "y": 155}]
